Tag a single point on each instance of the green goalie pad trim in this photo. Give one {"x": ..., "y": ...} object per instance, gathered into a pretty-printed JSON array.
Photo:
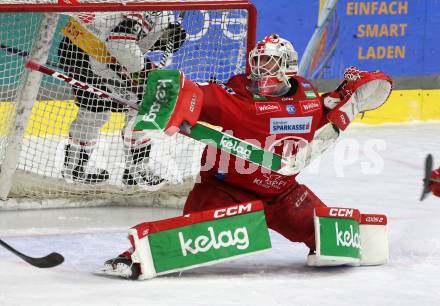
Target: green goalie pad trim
[
  {"x": 236, "y": 146},
  {"x": 208, "y": 242},
  {"x": 160, "y": 98},
  {"x": 339, "y": 237}
]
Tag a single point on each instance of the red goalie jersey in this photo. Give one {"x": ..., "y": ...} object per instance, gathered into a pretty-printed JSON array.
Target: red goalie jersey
[{"x": 279, "y": 124}]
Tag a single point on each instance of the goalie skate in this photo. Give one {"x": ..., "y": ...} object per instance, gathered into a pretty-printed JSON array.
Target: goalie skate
[{"x": 120, "y": 266}]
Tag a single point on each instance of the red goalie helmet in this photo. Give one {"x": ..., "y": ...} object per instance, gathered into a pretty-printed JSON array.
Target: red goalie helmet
[{"x": 273, "y": 61}]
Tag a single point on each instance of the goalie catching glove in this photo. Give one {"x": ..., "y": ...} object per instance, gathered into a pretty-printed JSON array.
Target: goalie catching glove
[{"x": 360, "y": 91}]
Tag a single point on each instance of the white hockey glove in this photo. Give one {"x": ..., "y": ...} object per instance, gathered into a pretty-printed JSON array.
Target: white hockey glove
[{"x": 360, "y": 91}]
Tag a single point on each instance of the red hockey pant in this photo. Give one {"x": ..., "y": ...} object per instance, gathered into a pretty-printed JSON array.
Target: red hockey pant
[{"x": 290, "y": 214}]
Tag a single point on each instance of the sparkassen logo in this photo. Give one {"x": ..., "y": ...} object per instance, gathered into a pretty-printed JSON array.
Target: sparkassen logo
[{"x": 296, "y": 125}]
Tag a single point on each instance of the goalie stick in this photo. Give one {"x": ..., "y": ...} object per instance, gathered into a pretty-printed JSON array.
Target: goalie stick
[
  {"x": 208, "y": 134},
  {"x": 48, "y": 261}
]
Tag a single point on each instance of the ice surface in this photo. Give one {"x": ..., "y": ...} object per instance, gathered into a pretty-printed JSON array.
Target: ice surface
[{"x": 375, "y": 169}]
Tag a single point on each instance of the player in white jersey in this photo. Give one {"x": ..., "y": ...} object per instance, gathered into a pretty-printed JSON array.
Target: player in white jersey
[{"x": 108, "y": 51}]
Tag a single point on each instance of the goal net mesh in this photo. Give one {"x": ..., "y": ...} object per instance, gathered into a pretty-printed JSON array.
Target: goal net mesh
[{"x": 212, "y": 48}]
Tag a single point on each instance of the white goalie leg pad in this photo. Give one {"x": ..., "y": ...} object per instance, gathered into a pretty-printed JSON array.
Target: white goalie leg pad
[
  {"x": 337, "y": 237},
  {"x": 343, "y": 236},
  {"x": 374, "y": 240}
]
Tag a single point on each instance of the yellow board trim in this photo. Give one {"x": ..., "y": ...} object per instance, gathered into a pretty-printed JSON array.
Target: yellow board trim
[
  {"x": 55, "y": 117},
  {"x": 406, "y": 106}
]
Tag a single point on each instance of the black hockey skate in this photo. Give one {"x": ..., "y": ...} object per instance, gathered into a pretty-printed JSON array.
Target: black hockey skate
[
  {"x": 142, "y": 178},
  {"x": 78, "y": 175},
  {"x": 75, "y": 162},
  {"x": 136, "y": 172},
  {"x": 121, "y": 266}
]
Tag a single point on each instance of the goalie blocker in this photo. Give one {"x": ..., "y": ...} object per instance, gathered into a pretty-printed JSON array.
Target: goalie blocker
[
  {"x": 199, "y": 239},
  {"x": 170, "y": 103},
  {"x": 344, "y": 236}
]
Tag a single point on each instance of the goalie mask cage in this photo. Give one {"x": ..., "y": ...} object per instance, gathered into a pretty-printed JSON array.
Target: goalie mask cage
[{"x": 36, "y": 111}]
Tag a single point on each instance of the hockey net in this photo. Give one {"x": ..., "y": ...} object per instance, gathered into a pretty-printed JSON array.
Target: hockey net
[{"x": 36, "y": 115}]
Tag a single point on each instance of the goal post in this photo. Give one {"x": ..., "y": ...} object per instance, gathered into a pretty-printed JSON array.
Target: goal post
[
  {"x": 27, "y": 94},
  {"x": 38, "y": 115}
]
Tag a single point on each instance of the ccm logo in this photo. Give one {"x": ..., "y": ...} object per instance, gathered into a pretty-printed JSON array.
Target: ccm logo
[
  {"x": 341, "y": 212},
  {"x": 233, "y": 210}
]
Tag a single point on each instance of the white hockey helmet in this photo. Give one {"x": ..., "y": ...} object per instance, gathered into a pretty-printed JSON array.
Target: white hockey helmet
[{"x": 273, "y": 61}]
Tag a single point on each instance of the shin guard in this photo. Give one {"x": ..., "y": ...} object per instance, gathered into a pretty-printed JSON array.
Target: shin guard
[{"x": 199, "y": 239}]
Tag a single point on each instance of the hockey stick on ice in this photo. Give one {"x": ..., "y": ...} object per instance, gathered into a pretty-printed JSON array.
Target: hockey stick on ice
[{"x": 48, "y": 261}]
